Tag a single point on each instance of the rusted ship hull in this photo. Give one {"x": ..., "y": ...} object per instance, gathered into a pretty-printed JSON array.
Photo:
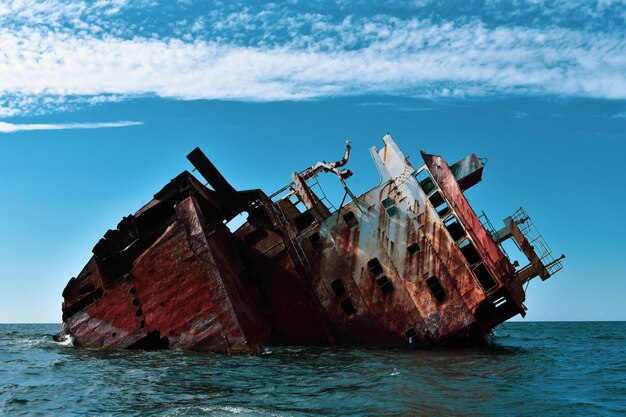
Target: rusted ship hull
[{"x": 408, "y": 263}]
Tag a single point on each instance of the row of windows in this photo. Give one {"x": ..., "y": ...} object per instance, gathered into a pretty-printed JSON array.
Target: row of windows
[
  {"x": 386, "y": 286},
  {"x": 377, "y": 271},
  {"x": 349, "y": 309},
  {"x": 340, "y": 290},
  {"x": 454, "y": 228},
  {"x": 456, "y": 231},
  {"x": 305, "y": 218}
]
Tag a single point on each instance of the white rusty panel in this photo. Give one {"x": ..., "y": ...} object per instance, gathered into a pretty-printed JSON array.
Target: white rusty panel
[
  {"x": 411, "y": 291},
  {"x": 392, "y": 157},
  {"x": 413, "y": 198},
  {"x": 380, "y": 166},
  {"x": 387, "y": 238}
]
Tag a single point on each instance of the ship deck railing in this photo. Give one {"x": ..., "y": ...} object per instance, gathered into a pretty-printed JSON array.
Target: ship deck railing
[{"x": 539, "y": 244}]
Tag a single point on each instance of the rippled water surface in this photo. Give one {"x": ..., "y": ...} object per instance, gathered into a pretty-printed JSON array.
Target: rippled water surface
[{"x": 534, "y": 369}]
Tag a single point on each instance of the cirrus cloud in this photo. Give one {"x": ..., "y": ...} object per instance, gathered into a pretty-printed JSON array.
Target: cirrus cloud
[
  {"x": 274, "y": 55},
  {"x": 17, "y": 127}
]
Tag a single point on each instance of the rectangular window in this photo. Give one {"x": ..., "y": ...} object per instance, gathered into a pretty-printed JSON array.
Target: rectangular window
[
  {"x": 485, "y": 278},
  {"x": 425, "y": 181},
  {"x": 412, "y": 337},
  {"x": 454, "y": 228},
  {"x": 338, "y": 288},
  {"x": 469, "y": 251},
  {"x": 385, "y": 285},
  {"x": 304, "y": 220},
  {"x": 347, "y": 307},
  {"x": 411, "y": 333},
  {"x": 375, "y": 266},
  {"x": 315, "y": 240},
  {"x": 390, "y": 205},
  {"x": 439, "y": 203},
  {"x": 413, "y": 248},
  {"x": 350, "y": 219},
  {"x": 436, "y": 288}
]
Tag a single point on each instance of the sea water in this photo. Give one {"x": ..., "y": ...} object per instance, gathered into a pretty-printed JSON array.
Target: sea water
[{"x": 561, "y": 369}]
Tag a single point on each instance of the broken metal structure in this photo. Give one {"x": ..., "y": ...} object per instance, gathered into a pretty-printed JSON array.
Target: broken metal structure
[{"x": 408, "y": 263}]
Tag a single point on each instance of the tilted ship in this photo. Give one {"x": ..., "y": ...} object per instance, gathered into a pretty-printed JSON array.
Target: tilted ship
[{"x": 408, "y": 263}]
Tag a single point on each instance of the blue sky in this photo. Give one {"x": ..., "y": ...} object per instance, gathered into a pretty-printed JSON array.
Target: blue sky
[{"x": 101, "y": 101}]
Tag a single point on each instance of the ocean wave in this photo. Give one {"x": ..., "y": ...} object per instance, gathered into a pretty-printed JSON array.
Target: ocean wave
[
  {"x": 223, "y": 410},
  {"x": 584, "y": 375},
  {"x": 67, "y": 341}
]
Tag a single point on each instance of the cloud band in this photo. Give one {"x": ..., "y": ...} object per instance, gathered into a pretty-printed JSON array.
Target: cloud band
[
  {"x": 247, "y": 56},
  {"x": 17, "y": 127}
]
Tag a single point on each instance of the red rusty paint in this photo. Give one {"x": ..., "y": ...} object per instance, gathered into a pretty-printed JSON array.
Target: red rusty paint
[
  {"x": 491, "y": 253},
  {"x": 173, "y": 275}
]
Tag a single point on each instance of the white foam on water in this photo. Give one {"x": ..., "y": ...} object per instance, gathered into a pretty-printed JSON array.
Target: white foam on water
[
  {"x": 67, "y": 340},
  {"x": 227, "y": 410},
  {"x": 30, "y": 342},
  {"x": 224, "y": 410}
]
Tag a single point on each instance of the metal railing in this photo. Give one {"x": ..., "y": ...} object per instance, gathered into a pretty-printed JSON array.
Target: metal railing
[
  {"x": 313, "y": 183},
  {"x": 539, "y": 244},
  {"x": 488, "y": 226},
  {"x": 484, "y": 220}
]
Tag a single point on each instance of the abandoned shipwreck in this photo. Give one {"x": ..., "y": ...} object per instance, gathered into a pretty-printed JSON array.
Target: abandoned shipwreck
[{"x": 408, "y": 263}]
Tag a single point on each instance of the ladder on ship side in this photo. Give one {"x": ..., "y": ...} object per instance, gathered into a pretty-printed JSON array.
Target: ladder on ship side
[{"x": 314, "y": 182}]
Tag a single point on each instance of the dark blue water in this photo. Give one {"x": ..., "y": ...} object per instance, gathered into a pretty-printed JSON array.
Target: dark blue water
[{"x": 560, "y": 369}]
